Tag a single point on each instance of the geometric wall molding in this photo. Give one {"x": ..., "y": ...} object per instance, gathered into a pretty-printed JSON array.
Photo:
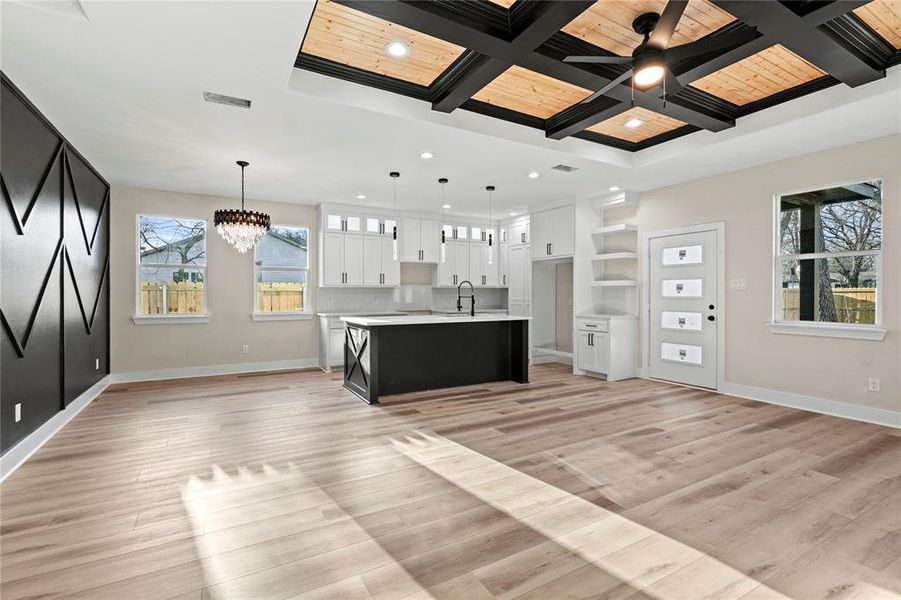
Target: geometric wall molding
[{"x": 54, "y": 279}]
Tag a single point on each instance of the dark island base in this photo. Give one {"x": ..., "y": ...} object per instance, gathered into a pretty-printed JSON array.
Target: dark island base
[{"x": 394, "y": 359}]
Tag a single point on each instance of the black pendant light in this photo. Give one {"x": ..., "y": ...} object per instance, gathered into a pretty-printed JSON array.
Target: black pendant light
[
  {"x": 490, "y": 190},
  {"x": 241, "y": 228}
]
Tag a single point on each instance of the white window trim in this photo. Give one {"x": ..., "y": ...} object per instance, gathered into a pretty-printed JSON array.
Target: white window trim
[
  {"x": 307, "y": 312},
  {"x": 854, "y": 331},
  {"x": 169, "y": 319}
]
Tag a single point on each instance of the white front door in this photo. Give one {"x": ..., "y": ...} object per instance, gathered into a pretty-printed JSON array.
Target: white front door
[{"x": 682, "y": 322}]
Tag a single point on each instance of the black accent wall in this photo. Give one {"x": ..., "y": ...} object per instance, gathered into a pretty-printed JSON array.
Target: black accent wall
[{"x": 54, "y": 269}]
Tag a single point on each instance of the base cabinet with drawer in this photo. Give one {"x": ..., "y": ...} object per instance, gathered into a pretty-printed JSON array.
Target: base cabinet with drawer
[{"x": 606, "y": 345}]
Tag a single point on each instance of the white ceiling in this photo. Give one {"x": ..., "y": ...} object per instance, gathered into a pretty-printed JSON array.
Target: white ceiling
[{"x": 125, "y": 86}]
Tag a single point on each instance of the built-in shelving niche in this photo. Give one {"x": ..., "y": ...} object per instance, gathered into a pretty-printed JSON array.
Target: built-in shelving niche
[{"x": 614, "y": 263}]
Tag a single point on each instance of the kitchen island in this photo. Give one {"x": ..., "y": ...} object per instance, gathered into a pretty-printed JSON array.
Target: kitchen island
[{"x": 393, "y": 355}]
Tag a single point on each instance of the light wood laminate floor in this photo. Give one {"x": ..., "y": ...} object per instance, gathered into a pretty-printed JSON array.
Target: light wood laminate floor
[{"x": 286, "y": 486}]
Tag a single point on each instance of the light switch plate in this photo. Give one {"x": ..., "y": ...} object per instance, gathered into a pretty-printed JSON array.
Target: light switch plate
[
  {"x": 18, "y": 412},
  {"x": 739, "y": 284}
]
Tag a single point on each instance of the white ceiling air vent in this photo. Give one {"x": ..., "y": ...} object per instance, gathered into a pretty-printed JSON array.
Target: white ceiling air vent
[
  {"x": 565, "y": 168},
  {"x": 227, "y": 100}
]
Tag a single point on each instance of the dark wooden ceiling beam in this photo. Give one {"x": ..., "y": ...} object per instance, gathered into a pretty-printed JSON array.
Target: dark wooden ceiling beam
[
  {"x": 535, "y": 22},
  {"x": 577, "y": 118},
  {"x": 799, "y": 34},
  {"x": 444, "y": 21}
]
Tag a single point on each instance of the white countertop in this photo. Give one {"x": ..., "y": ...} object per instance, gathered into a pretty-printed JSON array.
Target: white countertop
[
  {"x": 604, "y": 316},
  {"x": 428, "y": 319},
  {"x": 486, "y": 311},
  {"x": 357, "y": 313}
]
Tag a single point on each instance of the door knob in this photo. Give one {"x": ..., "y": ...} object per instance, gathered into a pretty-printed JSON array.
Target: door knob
[{"x": 711, "y": 318}]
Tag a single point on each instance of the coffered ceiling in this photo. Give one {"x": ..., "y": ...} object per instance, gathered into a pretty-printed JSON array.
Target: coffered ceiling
[{"x": 504, "y": 58}]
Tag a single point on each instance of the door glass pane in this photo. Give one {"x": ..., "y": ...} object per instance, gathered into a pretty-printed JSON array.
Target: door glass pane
[
  {"x": 682, "y": 288},
  {"x": 689, "y": 321},
  {"x": 477, "y": 233},
  {"x": 683, "y": 353},
  {"x": 448, "y": 231},
  {"x": 390, "y": 224},
  {"x": 353, "y": 223},
  {"x": 333, "y": 222},
  {"x": 462, "y": 232},
  {"x": 830, "y": 290},
  {"x": 372, "y": 224},
  {"x": 683, "y": 255}
]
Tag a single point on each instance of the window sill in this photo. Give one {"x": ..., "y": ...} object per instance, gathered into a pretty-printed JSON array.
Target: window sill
[
  {"x": 860, "y": 332},
  {"x": 304, "y": 316},
  {"x": 169, "y": 319}
]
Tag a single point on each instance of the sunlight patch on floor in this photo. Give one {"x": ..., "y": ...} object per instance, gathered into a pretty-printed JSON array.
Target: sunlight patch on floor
[
  {"x": 658, "y": 565},
  {"x": 261, "y": 533}
]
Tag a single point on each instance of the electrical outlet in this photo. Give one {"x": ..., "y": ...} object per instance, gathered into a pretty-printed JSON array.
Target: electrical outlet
[
  {"x": 96, "y": 364},
  {"x": 245, "y": 349},
  {"x": 739, "y": 284},
  {"x": 18, "y": 412},
  {"x": 375, "y": 300},
  {"x": 330, "y": 300},
  {"x": 873, "y": 384}
]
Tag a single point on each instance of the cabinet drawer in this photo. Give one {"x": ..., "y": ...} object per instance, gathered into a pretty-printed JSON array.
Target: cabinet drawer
[
  {"x": 336, "y": 347},
  {"x": 593, "y": 325}
]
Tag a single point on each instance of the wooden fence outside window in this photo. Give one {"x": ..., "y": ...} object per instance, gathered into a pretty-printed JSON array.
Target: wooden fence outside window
[
  {"x": 852, "y": 305},
  {"x": 161, "y": 298}
]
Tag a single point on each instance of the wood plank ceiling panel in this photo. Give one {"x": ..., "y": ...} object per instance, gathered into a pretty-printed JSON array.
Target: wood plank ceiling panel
[
  {"x": 654, "y": 124},
  {"x": 504, "y": 3},
  {"x": 763, "y": 74},
  {"x": 608, "y": 24},
  {"x": 358, "y": 40},
  {"x": 531, "y": 93},
  {"x": 884, "y": 16}
]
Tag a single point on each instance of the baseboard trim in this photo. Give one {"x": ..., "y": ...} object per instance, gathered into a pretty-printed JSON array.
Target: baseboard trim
[
  {"x": 209, "y": 370},
  {"x": 16, "y": 456},
  {"x": 833, "y": 408}
]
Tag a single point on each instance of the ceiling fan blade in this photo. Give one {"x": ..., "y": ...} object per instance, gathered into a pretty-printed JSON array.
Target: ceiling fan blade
[
  {"x": 608, "y": 87},
  {"x": 666, "y": 25},
  {"x": 712, "y": 44},
  {"x": 673, "y": 86},
  {"x": 599, "y": 60}
]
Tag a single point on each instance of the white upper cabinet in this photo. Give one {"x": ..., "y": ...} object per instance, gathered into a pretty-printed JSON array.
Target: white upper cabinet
[
  {"x": 341, "y": 221},
  {"x": 379, "y": 266},
  {"x": 342, "y": 259},
  {"x": 420, "y": 240},
  {"x": 552, "y": 232},
  {"x": 503, "y": 272},
  {"x": 518, "y": 232},
  {"x": 455, "y": 267}
]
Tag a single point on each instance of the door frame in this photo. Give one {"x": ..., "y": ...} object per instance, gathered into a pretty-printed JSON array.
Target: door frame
[{"x": 646, "y": 236}]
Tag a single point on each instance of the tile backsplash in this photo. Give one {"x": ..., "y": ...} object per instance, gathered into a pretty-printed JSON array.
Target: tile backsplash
[{"x": 404, "y": 298}]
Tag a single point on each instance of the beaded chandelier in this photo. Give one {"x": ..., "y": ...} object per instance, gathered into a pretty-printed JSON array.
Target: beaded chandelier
[{"x": 241, "y": 228}]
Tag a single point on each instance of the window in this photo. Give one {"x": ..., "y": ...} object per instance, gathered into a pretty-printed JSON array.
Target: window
[
  {"x": 281, "y": 268},
  {"x": 829, "y": 256},
  {"x": 171, "y": 269}
]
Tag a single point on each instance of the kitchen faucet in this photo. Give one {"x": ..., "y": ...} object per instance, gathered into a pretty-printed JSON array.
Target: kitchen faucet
[{"x": 472, "y": 298}]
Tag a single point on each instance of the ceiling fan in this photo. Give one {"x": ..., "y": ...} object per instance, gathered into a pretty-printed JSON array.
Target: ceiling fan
[{"x": 649, "y": 63}]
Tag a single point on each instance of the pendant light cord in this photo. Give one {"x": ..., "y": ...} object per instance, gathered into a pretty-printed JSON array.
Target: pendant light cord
[{"x": 242, "y": 187}]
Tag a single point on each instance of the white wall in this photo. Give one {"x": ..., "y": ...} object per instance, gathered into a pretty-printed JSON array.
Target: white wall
[
  {"x": 229, "y": 289},
  {"x": 827, "y": 368}
]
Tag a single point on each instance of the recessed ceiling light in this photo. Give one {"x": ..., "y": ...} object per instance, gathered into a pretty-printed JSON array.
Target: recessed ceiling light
[
  {"x": 426, "y": 155},
  {"x": 614, "y": 188},
  {"x": 397, "y": 49},
  {"x": 445, "y": 206},
  {"x": 534, "y": 175},
  {"x": 361, "y": 196},
  {"x": 633, "y": 123},
  {"x": 513, "y": 214}
]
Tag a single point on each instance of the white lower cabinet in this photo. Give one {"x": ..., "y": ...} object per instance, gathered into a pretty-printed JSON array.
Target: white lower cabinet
[
  {"x": 606, "y": 345},
  {"x": 593, "y": 351}
]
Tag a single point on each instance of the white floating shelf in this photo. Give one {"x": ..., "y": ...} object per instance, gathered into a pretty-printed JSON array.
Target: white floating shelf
[
  {"x": 615, "y": 256},
  {"x": 624, "y": 199},
  {"x": 621, "y": 228},
  {"x": 614, "y": 283}
]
